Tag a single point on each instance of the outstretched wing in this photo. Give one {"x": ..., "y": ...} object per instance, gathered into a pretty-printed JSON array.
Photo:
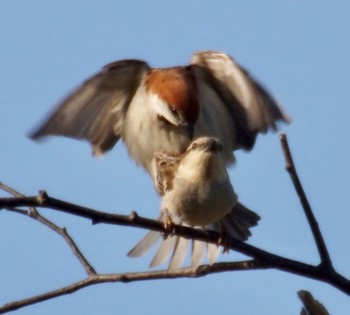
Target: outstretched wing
[
  {"x": 96, "y": 110},
  {"x": 229, "y": 95}
]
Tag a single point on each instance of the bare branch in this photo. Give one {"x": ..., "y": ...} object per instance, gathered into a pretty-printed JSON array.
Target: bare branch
[
  {"x": 10, "y": 190},
  {"x": 73, "y": 246},
  {"x": 261, "y": 259},
  {"x": 201, "y": 271},
  {"x": 34, "y": 214},
  {"x": 265, "y": 258},
  {"x": 290, "y": 167},
  {"x": 20, "y": 211}
]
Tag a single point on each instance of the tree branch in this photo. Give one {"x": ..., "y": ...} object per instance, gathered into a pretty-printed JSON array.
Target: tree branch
[
  {"x": 261, "y": 259},
  {"x": 200, "y": 271},
  {"x": 326, "y": 262},
  {"x": 34, "y": 214},
  {"x": 265, "y": 258}
]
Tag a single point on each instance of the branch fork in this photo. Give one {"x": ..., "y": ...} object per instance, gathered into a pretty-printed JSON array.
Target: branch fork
[{"x": 260, "y": 259}]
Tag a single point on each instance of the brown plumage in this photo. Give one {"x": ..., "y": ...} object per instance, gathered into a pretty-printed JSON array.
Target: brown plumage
[
  {"x": 196, "y": 191},
  {"x": 155, "y": 110},
  {"x": 164, "y": 109},
  {"x": 177, "y": 87}
]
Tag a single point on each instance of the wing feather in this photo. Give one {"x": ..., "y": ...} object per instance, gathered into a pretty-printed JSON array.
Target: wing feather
[
  {"x": 246, "y": 107},
  {"x": 238, "y": 222},
  {"x": 166, "y": 166},
  {"x": 96, "y": 110}
]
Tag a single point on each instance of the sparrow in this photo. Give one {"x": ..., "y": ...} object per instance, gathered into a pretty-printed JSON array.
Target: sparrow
[
  {"x": 196, "y": 191},
  {"x": 164, "y": 109}
]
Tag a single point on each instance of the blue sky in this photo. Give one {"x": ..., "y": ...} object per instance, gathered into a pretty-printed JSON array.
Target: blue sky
[{"x": 300, "y": 50}]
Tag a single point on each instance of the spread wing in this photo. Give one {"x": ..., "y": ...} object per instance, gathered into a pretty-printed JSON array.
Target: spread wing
[
  {"x": 166, "y": 166},
  {"x": 96, "y": 110},
  {"x": 229, "y": 94}
]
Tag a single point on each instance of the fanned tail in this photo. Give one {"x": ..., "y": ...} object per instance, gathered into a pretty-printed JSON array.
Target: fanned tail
[{"x": 236, "y": 224}]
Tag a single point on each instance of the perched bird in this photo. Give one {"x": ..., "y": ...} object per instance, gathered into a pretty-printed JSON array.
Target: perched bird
[
  {"x": 164, "y": 109},
  {"x": 196, "y": 191}
]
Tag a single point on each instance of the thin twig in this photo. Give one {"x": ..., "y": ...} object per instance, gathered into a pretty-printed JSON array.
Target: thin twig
[
  {"x": 73, "y": 246},
  {"x": 10, "y": 190},
  {"x": 268, "y": 259},
  {"x": 290, "y": 167},
  {"x": 34, "y": 214},
  {"x": 262, "y": 259},
  {"x": 200, "y": 271}
]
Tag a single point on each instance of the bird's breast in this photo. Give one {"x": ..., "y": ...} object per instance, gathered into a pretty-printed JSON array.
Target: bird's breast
[
  {"x": 200, "y": 205},
  {"x": 144, "y": 133}
]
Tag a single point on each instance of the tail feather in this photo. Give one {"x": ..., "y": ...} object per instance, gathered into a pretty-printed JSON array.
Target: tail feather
[
  {"x": 234, "y": 228},
  {"x": 143, "y": 247},
  {"x": 213, "y": 252},
  {"x": 164, "y": 251},
  {"x": 179, "y": 253},
  {"x": 245, "y": 215},
  {"x": 236, "y": 224},
  {"x": 147, "y": 242},
  {"x": 198, "y": 253}
]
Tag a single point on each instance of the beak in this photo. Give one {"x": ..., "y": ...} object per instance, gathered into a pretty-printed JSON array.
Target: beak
[
  {"x": 213, "y": 145},
  {"x": 190, "y": 129}
]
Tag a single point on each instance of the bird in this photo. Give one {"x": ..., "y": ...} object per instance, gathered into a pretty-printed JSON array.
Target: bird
[
  {"x": 196, "y": 191},
  {"x": 164, "y": 109}
]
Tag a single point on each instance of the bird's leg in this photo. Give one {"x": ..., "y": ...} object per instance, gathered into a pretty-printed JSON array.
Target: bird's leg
[
  {"x": 168, "y": 224},
  {"x": 224, "y": 240}
]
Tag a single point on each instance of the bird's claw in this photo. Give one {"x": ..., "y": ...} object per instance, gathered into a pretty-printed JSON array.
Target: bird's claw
[
  {"x": 169, "y": 225},
  {"x": 225, "y": 242}
]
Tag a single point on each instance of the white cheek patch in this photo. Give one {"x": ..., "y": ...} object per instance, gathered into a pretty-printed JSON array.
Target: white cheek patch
[{"x": 161, "y": 108}]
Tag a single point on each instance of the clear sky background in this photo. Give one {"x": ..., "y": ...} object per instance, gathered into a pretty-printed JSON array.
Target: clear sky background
[{"x": 299, "y": 49}]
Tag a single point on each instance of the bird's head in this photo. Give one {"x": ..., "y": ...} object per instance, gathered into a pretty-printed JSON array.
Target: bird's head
[
  {"x": 174, "y": 95},
  {"x": 203, "y": 160},
  {"x": 206, "y": 144}
]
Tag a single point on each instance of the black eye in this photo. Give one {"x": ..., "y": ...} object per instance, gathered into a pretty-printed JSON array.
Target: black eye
[
  {"x": 194, "y": 145},
  {"x": 174, "y": 111}
]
